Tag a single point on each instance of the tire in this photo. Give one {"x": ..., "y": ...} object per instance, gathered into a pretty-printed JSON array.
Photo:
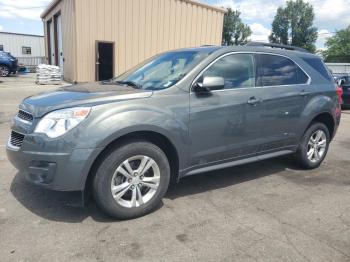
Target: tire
[
  {"x": 4, "y": 71},
  {"x": 124, "y": 203},
  {"x": 308, "y": 144}
]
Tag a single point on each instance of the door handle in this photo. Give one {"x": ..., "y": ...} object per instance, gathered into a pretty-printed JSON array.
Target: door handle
[
  {"x": 304, "y": 93},
  {"x": 253, "y": 101}
]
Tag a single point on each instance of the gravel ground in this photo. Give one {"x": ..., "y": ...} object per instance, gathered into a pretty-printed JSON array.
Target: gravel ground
[{"x": 266, "y": 211}]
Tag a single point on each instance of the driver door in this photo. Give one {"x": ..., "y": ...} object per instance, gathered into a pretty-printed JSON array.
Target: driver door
[{"x": 226, "y": 124}]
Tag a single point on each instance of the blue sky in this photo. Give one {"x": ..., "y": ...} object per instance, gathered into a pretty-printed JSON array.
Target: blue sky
[{"x": 23, "y": 16}]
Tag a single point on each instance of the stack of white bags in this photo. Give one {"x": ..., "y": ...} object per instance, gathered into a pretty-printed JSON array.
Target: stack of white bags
[{"x": 48, "y": 75}]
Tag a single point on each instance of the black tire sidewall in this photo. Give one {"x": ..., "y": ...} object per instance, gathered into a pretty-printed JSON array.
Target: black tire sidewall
[
  {"x": 104, "y": 174},
  {"x": 302, "y": 153}
]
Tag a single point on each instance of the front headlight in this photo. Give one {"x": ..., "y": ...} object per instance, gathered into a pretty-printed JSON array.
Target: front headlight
[{"x": 61, "y": 121}]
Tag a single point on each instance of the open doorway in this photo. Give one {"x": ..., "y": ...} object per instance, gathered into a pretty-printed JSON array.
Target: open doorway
[
  {"x": 58, "y": 42},
  {"x": 104, "y": 60},
  {"x": 51, "y": 42}
]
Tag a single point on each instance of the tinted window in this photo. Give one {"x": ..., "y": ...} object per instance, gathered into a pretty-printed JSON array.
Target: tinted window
[
  {"x": 237, "y": 70},
  {"x": 302, "y": 77},
  {"x": 318, "y": 65},
  {"x": 3, "y": 54},
  {"x": 277, "y": 70},
  {"x": 1, "y": 48}
]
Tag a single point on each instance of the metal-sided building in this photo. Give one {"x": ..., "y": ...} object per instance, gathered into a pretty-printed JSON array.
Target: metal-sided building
[
  {"x": 98, "y": 39},
  {"x": 29, "y": 49},
  {"x": 339, "y": 68}
]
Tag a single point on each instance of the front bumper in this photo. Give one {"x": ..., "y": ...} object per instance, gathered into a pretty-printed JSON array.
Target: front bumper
[
  {"x": 13, "y": 67},
  {"x": 62, "y": 171}
]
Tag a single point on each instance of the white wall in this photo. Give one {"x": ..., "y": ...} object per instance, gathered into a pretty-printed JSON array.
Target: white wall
[
  {"x": 13, "y": 43},
  {"x": 339, "y": 68}
]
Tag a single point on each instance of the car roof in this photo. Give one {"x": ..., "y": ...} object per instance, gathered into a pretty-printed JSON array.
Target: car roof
[{"x": 258, "y": 49}]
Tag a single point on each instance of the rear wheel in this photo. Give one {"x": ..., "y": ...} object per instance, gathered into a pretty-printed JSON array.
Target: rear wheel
[
  {"x": 314, "y": 146},
  {"x": 131, "y": 180},
  {"x": 4, "y": 70}
]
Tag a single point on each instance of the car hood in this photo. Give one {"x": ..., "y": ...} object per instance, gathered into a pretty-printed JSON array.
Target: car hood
[{"x": 89, "y": 94}]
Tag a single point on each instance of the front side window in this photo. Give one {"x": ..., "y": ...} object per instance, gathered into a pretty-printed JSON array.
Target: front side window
[
  {"x": 26, "y": 50},
  {"x": 236, "y": 69},
  {"x": 1, "y": 48},
  {"x": 277, "y": 70}
]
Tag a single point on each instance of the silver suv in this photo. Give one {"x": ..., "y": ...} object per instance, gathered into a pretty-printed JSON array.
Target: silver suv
[{"x": 179, "y": 113}]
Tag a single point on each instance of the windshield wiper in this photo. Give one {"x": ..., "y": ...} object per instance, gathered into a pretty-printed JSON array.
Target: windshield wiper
[{"x": 129, "y": 83}]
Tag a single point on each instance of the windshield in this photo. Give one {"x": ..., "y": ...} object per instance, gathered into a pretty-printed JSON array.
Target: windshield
[
  {"x": 162, "y": 71},
  {"x": 5, "y": 54}
]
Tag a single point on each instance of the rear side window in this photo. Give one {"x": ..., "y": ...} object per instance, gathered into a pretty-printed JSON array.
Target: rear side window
[
  {"x": 277, "y": 70},
  {"x": 237, "y": 70},
  {"x": 318, "y": 65}
]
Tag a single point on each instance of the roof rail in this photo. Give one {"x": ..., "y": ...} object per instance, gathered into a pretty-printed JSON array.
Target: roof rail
[{"x": 272, "y": 45}]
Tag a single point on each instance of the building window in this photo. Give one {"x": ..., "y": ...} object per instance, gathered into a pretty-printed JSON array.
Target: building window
[
  {"x": 1, "y": 48},
  {"x": 26, "y": 50}
]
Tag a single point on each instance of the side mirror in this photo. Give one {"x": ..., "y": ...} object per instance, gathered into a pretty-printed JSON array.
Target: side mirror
[{"x": 210, "y": 83}]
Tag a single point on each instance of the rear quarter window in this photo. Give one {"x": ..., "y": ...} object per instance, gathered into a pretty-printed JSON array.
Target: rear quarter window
[{"x": 319, "y": 66}]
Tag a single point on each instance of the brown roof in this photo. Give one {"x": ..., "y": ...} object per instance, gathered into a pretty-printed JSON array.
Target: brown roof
[
  {"x": 195, "y": 2},
  {"x": 49, "y": 8}
]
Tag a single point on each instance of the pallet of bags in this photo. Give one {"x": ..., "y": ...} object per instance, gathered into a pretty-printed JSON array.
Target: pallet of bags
[{"x": 48, "y": 75}]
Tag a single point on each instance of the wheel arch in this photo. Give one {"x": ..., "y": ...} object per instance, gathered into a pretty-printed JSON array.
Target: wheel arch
[
  {"x": 327, "y": 119},
  {"x": 157, "y": 138}
]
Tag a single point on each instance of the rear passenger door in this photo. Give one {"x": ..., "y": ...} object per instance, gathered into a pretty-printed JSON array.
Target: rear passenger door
[{"x": 286, "y": 93}]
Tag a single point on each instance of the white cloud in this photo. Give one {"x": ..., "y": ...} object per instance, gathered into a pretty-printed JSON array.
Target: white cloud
[
  {"x": 323, "y": 35},
  {"x": 1, "y": 27},
  {"x": 327, "y": 12},
  {"x": 259, "y": 32},
  {"x": 334, "y": 11},
  {"x": 22, "y": 8},
  {"x": 251, "y": 10}
]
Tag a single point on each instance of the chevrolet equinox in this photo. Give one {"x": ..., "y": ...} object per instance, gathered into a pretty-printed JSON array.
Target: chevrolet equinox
[{"x": 177, "y": 114}]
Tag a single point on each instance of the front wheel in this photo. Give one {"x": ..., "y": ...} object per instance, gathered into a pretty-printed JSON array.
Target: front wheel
[
  {"x": 131, "y": 180},
  {"x": 4, "y": 71},
  {"x": 314, "y": 146}
]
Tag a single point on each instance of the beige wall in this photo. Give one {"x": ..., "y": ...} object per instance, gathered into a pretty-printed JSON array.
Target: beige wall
[
  {"x": 139, "y": 29},
  {"x": 68, "y": 36}
]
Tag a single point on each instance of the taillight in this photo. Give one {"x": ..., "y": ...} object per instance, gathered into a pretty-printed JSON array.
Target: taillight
[{"x": 340, "y": 94}]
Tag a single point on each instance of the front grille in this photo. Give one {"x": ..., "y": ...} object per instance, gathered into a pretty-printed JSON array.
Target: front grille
[
  {"x": 25, "y": 115},
  {"x": 16, "y": 139}
]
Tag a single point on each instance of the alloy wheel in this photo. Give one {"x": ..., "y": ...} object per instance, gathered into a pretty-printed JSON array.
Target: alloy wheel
[
  {"x": 135, "y": 181},
  {"x": 4, "y": 71},
  {"x": 316, "y": 147}
]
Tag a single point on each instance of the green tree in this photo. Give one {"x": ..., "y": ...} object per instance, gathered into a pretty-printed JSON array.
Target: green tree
[
  {"x": 280, "y": 26},
  {"x": 338, "y": 47},
  {"x": 235, "y": 32},
  {"x": 294, "y": 25}
]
